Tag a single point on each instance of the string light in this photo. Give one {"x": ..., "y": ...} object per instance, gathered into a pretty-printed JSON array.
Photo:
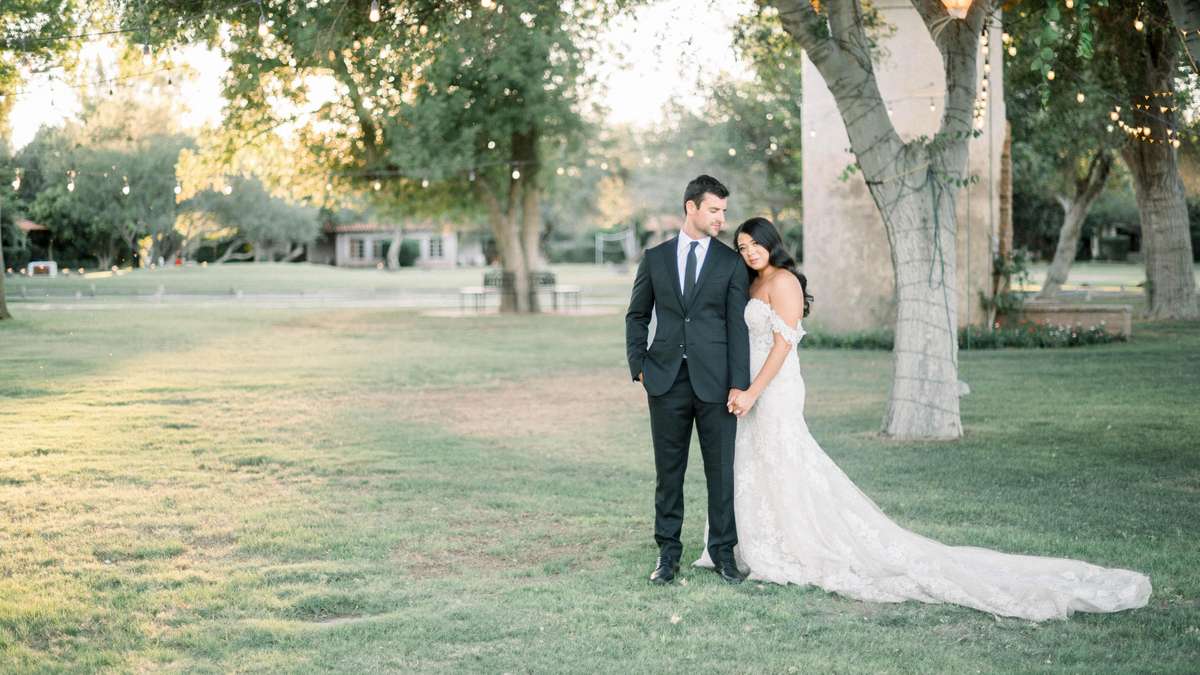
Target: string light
[
  {"x": 1050, "y": 75},
  {"x": 1080, "y": 97},
  {"x": 516, "y": 175},
  {"x": 424, "y": 182},
  {"x": 16, "y": 183},
  {"x": 377, "y": 186},
  {"x": 228, "y": 189},
  {"x": 691, "y": 153},
  {"x": 146, "y": 55},
  {"x": 491, "y": 145},
  {"x": 71, "y": 180},
  {"x": 178, "y": 188},
  {"x": 1138, "y": 25},
  {"x": 374, "y": 15},
  {"x": 733, "y": 152},
  {"x": 125, "y": 185}
]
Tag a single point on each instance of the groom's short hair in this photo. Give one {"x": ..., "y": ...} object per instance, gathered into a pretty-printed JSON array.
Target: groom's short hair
[{"x": 703, "y": 185}]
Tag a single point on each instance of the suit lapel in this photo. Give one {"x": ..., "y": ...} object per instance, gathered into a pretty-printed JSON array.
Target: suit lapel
[
  {"x": 706, "y": 270},
  {"x": 673, "y": 267}
]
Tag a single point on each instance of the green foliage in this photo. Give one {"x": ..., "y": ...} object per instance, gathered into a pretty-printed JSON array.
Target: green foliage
[
  {"x": 257, "y": 215},
  {"x": 1024, "y": 335},
  {"x": 1013, "y": 269}
]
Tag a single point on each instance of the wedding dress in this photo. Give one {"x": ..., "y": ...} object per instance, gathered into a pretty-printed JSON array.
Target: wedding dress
[{"x": 801, "y": 520}]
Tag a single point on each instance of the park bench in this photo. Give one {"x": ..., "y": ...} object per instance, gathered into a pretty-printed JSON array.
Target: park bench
[{"x": 499, "y": 281}]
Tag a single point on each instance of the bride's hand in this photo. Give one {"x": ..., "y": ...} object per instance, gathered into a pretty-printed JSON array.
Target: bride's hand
[{"x": 740, "y": 402}]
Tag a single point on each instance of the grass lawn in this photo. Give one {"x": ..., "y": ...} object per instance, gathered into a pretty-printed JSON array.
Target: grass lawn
[{"x": 236, "y": 488}]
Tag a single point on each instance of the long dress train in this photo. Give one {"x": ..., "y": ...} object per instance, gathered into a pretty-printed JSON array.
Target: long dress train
[{"x": 801, "y": 520}]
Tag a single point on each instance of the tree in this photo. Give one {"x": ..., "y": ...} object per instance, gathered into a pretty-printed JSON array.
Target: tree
[
  {"x": 1064, "y": 143},
  {"x": 1136, "y": 56},
  {"x": 442, "y": 104},
  {"x": 253, "y": 216},
  {"x": 34, "y": 36},
  {"x": 913, "y": 185}
]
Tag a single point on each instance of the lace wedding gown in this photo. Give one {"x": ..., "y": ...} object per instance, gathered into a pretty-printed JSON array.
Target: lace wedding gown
[{"x": 801, "y": 520}]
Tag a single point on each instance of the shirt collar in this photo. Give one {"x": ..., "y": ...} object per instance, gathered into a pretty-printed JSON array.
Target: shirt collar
[{"x": 684, "y": 240}]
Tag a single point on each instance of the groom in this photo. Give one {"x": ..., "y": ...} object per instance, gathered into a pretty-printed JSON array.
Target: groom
[{"x": 699, "y": 359}]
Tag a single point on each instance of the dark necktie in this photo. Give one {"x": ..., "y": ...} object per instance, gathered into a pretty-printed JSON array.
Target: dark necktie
[{"x": 689, "y": 272}]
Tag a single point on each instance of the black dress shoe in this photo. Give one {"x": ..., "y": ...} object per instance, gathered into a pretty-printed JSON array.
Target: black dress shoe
[
  {"x": 664, "y": 570},
  {"x": 728, "y": 571}
]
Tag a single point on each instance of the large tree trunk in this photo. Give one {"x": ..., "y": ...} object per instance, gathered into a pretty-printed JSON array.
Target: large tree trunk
[
  {"x": 1151, "y": 158},
  {"x": 1075, "y": 210},
  {"x": 525, "y": 149},
  {"x": 393, "y": 254},
  {"x": 3, "y": 272},
  {"x": 1166, "y": 242},
  {"x": 913, "y": 186},
  {"x": 517, "y": 225},
  {"x": 923, "y": 403}
]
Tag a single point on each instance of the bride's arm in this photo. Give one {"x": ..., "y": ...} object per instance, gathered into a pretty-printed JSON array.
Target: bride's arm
[{"x": 787, "y": 299}]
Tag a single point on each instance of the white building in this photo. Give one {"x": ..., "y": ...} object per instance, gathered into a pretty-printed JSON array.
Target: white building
[{"x": 366, "y": 244}]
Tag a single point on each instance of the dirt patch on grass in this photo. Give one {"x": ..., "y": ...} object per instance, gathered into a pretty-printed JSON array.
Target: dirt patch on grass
[{"x": 579, "y": 406}]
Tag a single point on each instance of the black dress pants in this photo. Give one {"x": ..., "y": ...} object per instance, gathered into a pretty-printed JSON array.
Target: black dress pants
[{"x": 671, "y": 418}]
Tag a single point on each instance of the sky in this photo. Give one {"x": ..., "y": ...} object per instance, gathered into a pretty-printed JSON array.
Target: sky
[{"x": 660, "y": 53}]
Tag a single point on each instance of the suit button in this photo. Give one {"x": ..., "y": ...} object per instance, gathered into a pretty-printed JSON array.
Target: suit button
[
  {"x": 681, "y": 346},
  {"x": 687, "y": 319}
]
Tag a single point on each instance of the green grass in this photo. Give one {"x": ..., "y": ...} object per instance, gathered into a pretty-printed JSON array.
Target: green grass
[
  {"x": 608, "y": 282},
  {"x": 236, "y": 488}
]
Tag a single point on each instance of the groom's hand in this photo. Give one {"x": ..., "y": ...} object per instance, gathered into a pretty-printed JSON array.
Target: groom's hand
[{"x": 729, "y": 402}]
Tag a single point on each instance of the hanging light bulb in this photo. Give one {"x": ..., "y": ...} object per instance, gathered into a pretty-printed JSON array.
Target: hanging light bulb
[
  {"x": 17, "y": 180},
  {"x": 71, "y": 180},
  {"x": 377, "y": 186},
  {"x": 1080, "y": 97},
  {"x": 560, "y": 171},
  {"x": 1138, "y": 25},
  {"x": 125, "y": 186},
  {"x": 491, "y": 145},
  {"x": 228, "y": 189},
  {"x": 1110, "y": 128},
  {"x": 471, "y": 176},
  {"x": 691, "y": 153},
  {"x": 424, "y": 182},
  {"x": 1050, "y": 75},
  {"x": 374, "y": 15},
  {"x": 733, "y": 152},
  {"x": 516, "y": 175},
  {"x": 604, "y": 166},
  {"x": 932, "y": 107},
  {"x": 1012, "y": 50},
  {"x": 263, "y": 28},
  {"x": 146, "y": 59},
  {"x": 178, "y": 188}
]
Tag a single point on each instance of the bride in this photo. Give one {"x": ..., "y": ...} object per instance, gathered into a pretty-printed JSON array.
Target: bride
[{"x": 801, "y": 520}]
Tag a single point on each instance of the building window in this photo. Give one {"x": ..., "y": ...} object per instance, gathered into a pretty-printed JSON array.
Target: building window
[
  {"x": 377, "y": 247},
  {"x": 435, "y": 247},
  {"x": 356, "y": 249}
]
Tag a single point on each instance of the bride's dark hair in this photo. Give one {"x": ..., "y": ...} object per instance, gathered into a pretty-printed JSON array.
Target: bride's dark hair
[{"x": 763, "y": 232}]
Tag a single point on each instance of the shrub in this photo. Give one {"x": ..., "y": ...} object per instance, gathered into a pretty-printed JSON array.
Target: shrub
[{"x": 1025, "y": 335}]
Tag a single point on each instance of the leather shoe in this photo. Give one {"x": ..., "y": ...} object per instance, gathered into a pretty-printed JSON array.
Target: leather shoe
[
  {"x": 664, "y": 570},
  {"x": 728, "y": 571}
]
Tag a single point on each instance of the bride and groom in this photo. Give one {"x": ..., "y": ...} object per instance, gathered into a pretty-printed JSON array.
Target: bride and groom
[{"x": 723, "y": 359}]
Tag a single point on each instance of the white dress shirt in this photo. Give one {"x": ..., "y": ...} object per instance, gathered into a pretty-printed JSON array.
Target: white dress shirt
[{"x": 681, "y": 254}]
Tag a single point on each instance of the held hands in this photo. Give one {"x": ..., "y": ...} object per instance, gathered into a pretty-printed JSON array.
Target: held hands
[{"x": 740, "y": 402}]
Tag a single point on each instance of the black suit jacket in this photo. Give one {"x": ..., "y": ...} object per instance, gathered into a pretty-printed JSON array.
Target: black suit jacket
[{"x": 711, "y": 328}]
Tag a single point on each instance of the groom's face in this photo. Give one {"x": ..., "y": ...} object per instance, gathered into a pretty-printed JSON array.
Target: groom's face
[{"x": 708, "y": 218}]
